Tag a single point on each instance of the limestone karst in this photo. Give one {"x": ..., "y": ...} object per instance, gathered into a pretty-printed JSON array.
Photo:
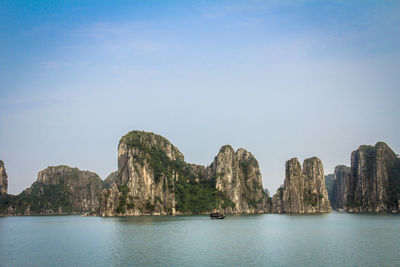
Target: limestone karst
[
  {"x": 153, "y": 178},
  {"x": 371, "y": 184},
  {"x": 3, "y": 179},
  {"x": 58, "y": 190},
  {"x": 340, "y": 186},
  {"x": 374, "y": 180},
  {"x": 111, "y": 178},
  {"x": 304, "y": 189},
  {"x": 329, "y": 185},
  {"x": 238, "y": 176}
]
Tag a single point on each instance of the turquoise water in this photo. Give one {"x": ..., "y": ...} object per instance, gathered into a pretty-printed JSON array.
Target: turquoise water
[{"x": 336, "y": 239}]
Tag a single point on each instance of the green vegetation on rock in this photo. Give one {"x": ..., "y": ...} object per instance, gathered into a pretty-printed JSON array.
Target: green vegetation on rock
[
  {"x": 122, "y": 199},
  {"x": 58, "y": 190},
  {"x": 311, "y": 199},
  {"x": 153, "y": 154},
  {"x": 199, "y": 197},
  {"x": 192, "y": 195},
  {"x": 247, "y": 165},
  {"x": 41, "y": 198}
]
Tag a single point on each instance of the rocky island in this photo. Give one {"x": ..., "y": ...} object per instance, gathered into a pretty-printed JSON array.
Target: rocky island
[
  {"x": 371, "y": 184},
  {"x": 304, "y": 190},
  {"x": 154, "y": 179},
  {"x": 57, "y": 190}
]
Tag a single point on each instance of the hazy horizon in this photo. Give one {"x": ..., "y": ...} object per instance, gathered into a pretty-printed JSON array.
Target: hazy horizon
[{"x": 281, "y": 79}]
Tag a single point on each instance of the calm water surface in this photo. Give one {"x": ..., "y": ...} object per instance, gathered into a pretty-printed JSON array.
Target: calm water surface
[{"x": 335, "y": 239}]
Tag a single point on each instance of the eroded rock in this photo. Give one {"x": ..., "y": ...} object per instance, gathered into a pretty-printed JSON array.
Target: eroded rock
[
  {"x": 3, "y": 179},
  {"x": 304, "y": 189}
]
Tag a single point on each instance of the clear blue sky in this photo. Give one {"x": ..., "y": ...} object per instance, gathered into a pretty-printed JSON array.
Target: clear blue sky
[{"x": 282, "y": 79}]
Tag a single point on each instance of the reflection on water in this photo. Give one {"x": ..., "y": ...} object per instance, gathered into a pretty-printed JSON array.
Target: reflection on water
[{"x": 335, "y": 239}]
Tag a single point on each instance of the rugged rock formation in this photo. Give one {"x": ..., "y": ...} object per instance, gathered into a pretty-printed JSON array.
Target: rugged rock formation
[
  {"x": 329, "y": 182},
  {"x": 238, "y": 176},
  {"x": 153, "y": 178},
  {"x": 304, "y": 190},
  {"x": 3, "y": 179},
  {"x": 372, "y": 184},
  {"x": 58, "y": 190},
  {"x": 374, "y": 180},
  {"x": 110, "y": 201},
  {"x": 340, "y": 186},
  {"x": 111, "y": 178},
  {"x": 148, "y": 164},
  {"x": 277, "y": 201},
  {"x": 266, "y": 191}
]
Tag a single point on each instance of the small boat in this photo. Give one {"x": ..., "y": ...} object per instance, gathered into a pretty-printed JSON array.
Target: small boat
[{"x": 217, "y": 215}]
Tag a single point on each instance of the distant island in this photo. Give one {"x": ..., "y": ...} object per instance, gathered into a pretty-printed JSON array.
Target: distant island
[
  {"x": 371, "y": 184},
  {"x": 154, "y": 179}
]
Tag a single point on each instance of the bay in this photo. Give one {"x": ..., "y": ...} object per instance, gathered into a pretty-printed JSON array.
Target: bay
[{"x": 336, "y": 239}]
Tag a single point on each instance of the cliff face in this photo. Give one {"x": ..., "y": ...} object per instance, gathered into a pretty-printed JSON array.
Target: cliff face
[
  {"x": 329, "y": 182},
  {"x": 304, "y": 190},
  {"x": 373, "y": 180},
  {"x": 340, "y": 186},
  {"x": 315, "y": 194},
  {"x": 238, "y": 176},
  {"x": 3, "y": 179},
  {"x": 148, "y": 164},
  {"x": 153, "y": 178},
  {"x": 277, "y": 201},
  {"x": 58, "y": 190},
  {"x": 110, "y": 179}
]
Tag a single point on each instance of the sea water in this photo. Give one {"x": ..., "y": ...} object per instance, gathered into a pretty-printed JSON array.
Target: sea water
[{"x": 336, "y": 239}]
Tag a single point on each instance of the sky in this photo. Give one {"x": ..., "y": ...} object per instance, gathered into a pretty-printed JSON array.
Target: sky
[{"x": 281, "y": 79}]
